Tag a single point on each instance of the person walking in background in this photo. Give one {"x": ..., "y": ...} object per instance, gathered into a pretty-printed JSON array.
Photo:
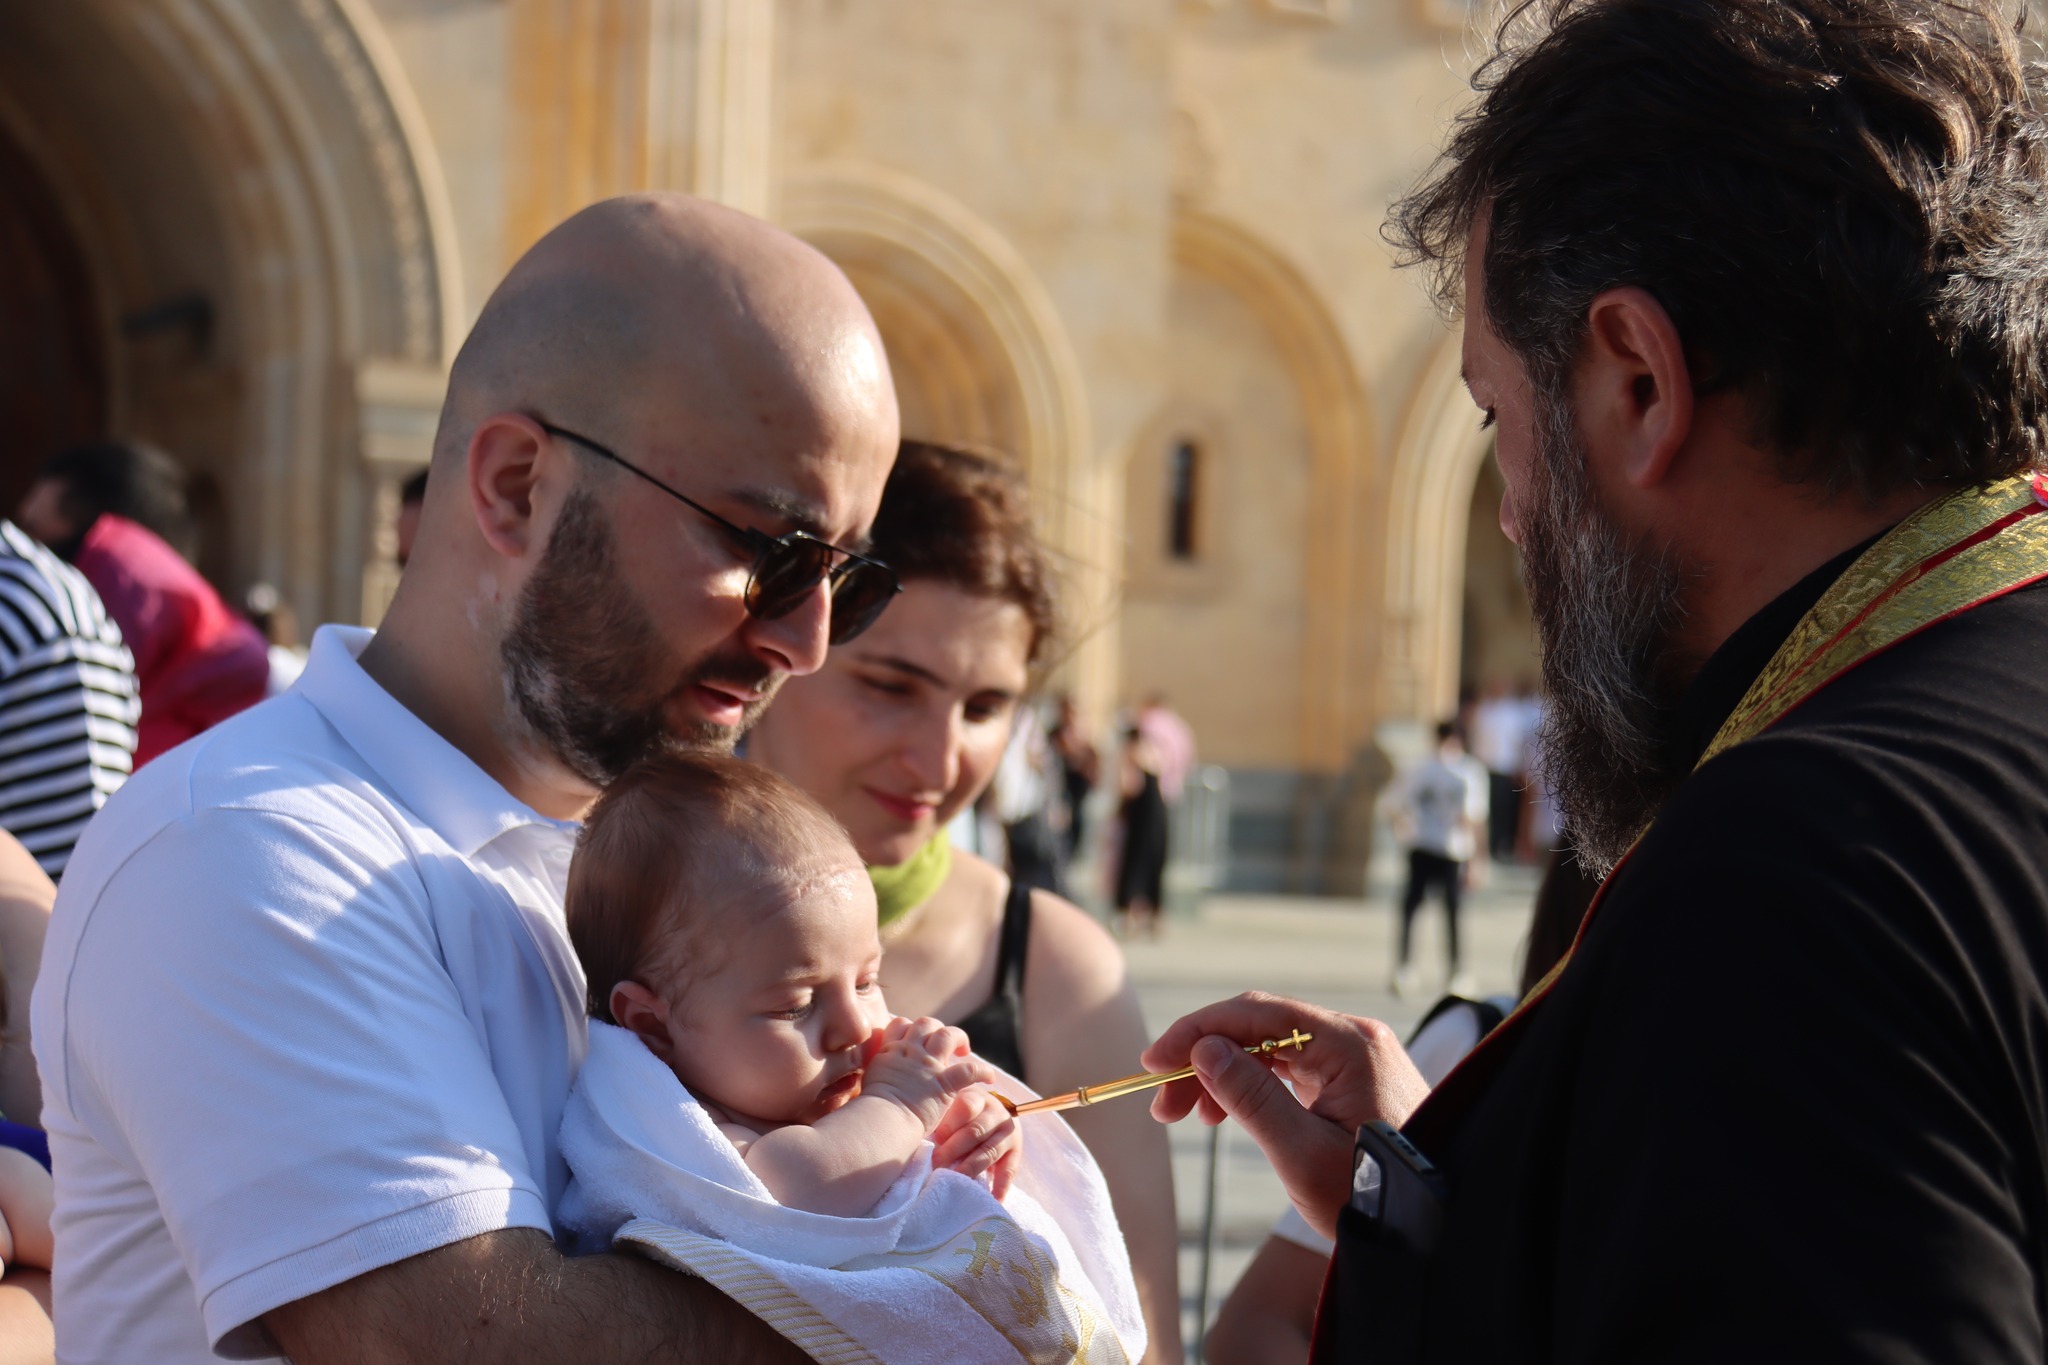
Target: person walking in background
[
  {"x": 67, "y": 700},
  {"x": 1080, "y": 765},
  {"x": 1499, "y": 738},
  {"x": 1439, "y": 811},
  {"x": 196, "y": 661},
  {"x": 1141, "y": 869}
]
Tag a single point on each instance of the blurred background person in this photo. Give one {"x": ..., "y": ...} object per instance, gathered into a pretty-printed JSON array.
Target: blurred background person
[
  {"x": 278, "y": 624},
  {"x": 412, "y": 495},
  {"x": 1498, "y": 733},
  {"x": 899, "y": 732},
  {"x": 126, "y": 478},
  {"x": 1438, "y": 810},
  {"x": 196, "y": 661},
  {"x": 67, "y": 700},
  {"x": 1144, "y": 817},
  {"x": 1025, "y": 796},
  {"x": 1172, "y": 743},
  {"x": 1080, "y": 767}
]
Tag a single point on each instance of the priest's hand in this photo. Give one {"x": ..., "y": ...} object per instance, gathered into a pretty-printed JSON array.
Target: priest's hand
[{"x": 1353, "y": 1072}]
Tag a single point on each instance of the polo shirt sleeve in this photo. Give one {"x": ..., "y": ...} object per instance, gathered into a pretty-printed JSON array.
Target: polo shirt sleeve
[
  {"x": 1795, "y": 1137},
  {"x": 260, "y": 1023}
]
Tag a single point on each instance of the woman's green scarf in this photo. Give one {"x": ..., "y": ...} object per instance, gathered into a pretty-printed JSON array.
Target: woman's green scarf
[{"x": 909, "y": 884}]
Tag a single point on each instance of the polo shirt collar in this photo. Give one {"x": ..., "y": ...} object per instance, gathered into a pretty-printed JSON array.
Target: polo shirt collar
[{"x": 426, "y": 774}]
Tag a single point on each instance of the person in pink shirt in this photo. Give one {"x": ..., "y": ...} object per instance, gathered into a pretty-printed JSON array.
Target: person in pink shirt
[
  {"x": 196, "y": 661},
  {"x": 1172, "y": 740}
]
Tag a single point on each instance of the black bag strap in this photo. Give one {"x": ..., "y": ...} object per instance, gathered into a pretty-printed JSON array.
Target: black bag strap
[
  {"x": 1488, "y": 1014},
  {"x": 1014, "y": 941}
]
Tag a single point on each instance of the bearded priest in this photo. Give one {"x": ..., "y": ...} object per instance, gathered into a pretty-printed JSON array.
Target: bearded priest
[{"x": 1755, "y": 298}]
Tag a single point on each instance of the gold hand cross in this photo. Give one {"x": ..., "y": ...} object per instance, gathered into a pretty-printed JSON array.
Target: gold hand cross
[{"x": 1131, "y": 1085}]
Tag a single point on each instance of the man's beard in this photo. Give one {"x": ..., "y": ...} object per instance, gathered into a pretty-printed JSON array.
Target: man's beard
[
  {"x": 1606, "y": 611},
  {"x": 586, "y": 670}
]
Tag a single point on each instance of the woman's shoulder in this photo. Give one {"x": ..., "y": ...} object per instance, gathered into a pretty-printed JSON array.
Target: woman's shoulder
[
  {"x": 1071, "y": 946},
  {"x": 975, "y": 877}
]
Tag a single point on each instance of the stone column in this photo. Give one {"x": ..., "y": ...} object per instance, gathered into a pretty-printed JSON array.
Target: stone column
[
  {"x": 734, "y": 134},
  {"x": 398, "y": 407}
]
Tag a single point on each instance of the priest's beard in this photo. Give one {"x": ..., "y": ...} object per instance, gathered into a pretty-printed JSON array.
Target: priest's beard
[
  {"x": 1606, "y": 611},
  {"x": 585, "y": 669}
]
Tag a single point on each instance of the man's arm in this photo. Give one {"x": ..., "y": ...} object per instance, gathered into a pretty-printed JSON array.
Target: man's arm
[
  {"x": 26, "y": 1334},
  {"x": 25, "y": 898},
  {"x": 511, "y": 1296}
]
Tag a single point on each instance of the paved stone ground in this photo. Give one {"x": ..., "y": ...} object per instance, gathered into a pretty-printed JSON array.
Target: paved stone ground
[{"x": 1337, "y": 953}]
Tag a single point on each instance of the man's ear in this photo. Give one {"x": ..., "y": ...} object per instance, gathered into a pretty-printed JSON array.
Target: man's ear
[
  {"x": 1634, "y": 388},
  {"x": 644, "y": 1013},
  {"x": 505, "y": 462}
]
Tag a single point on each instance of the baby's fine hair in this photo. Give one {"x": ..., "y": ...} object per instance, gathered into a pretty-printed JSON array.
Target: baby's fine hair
[{"x": 670, "y": 830}]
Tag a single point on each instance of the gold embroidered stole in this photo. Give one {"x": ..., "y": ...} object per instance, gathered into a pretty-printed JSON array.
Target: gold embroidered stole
[{"x": 1951, "y": 555}]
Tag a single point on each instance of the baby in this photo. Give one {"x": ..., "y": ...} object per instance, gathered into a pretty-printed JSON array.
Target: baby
[{"x": 725, "y": 919}]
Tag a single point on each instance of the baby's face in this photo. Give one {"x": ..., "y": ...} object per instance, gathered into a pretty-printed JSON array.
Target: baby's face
[{"x": 774, "y": 1034}]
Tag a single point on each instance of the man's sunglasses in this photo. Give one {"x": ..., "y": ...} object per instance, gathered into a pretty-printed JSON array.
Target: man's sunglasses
[{"x": 787, "y": 568}]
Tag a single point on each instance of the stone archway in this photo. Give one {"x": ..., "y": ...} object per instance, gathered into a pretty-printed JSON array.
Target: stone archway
[
  {"x": 1436, "y": 466},
  {"x": 249, "y": 183},
  {"x": 1337, "y": 573},
  {"x": 982, "y": 357}
]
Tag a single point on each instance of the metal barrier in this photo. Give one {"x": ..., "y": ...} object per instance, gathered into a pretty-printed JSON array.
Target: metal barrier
[
  {"x": 1198, "y": 860},
  {"x": 1198, "y": 845}
]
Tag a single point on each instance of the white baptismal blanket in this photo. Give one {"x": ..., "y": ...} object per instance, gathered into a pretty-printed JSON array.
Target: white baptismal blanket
[{"x": 937, "y": 1273}]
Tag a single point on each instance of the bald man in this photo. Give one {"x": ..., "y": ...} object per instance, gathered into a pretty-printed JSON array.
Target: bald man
[{"x": 309, "y": 1012}]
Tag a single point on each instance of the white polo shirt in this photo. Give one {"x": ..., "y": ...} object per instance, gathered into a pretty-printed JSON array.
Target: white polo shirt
[{"x": 307, "y": 1007}]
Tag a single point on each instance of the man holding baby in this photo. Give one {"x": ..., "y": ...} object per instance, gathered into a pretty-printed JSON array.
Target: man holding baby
[{"x": 309, "y": 1013}]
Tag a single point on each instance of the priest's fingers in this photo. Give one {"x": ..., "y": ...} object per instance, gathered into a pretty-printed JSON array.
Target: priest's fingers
[
  {"x": 1353, "y": 1070},
  {"x": 1309, "y": 1152},
  {"x": 1251, "y": 1018}
]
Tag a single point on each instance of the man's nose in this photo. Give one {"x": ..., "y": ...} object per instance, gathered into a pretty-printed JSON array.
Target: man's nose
[{"x": 795, "y": 642}]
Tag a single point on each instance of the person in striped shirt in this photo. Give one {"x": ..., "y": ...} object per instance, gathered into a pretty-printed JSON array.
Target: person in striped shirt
[{"x": 68, "y": 706}]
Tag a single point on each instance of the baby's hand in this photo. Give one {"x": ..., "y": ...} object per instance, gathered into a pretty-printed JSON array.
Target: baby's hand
[
  {"x": 976, "y": 1135},
  {"x": 922, "y": 1064}
]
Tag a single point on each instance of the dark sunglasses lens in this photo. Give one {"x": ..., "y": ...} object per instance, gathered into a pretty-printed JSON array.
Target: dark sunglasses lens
[
  {"x": 786, "y": 575},
  {"x": 858, "y": 597}
]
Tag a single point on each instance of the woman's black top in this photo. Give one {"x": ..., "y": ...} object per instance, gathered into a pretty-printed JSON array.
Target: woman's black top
[{"x": 996, "y": 1028}]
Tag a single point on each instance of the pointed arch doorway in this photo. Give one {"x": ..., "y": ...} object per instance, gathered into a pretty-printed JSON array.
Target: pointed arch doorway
[{"x": 238, "y": 247}]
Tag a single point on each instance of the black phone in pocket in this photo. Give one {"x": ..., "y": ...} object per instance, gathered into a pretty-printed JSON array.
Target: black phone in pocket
[
  {"x": 1374, "y": 1299},
  {"x": 1397, "y": 1189}
]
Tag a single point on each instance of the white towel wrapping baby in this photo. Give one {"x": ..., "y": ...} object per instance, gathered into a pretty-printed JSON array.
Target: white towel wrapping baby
[{"x": 937, "y": 1273}]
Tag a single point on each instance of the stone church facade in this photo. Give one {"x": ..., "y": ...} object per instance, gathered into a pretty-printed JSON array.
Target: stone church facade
[{"x": 1132, "y": 243}]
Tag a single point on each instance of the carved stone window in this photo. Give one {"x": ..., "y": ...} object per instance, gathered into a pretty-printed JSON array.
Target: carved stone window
[{"x": 1183, "y": 489}]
